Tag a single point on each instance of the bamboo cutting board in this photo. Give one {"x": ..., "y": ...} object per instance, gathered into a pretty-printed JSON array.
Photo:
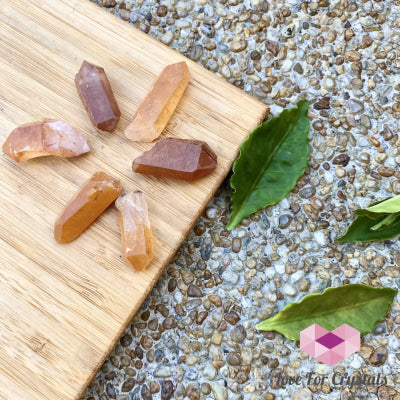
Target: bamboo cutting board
[{"x": 63, "y": 307}]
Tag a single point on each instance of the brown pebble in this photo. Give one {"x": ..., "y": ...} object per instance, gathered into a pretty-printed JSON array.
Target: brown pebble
[
  {"x": 385, "y": 392},
  {"x": 255, "y": 55},
  {"x": 387, "y": 133},
  {"x": 232, "y": 317},
  {"x": 154, "y": 387},
  {"x": 207, "y": 275},
  {"x": 341, "y": 159},
  {"x": 352, "y": 55},
  {"x": 348, "y": 34},
  {"x": 172, "y": 285},
  {"x": 378, "y": 357},
  {"x": 272, "y": 46},
  {"x": 233, "y": 358},
  {"x": 273, "y": 363},
  {"x": 145, "y": 315},
  {"x": 199, "y": 229},
  {"x": 128, "y": 385},
  {"x": 238, "y": 334},
  {"x": 339, "y": 60},
  {"x": 307, "y": 192},
  {"x": 163, "y": 310},
  {"x": 318, "y": 125},
  {"x": 109, "y": 3},
  {"x": 269, "y": 396},
  {"x": 385, "y": 171},
  {"x": 374, "y": 141},
  {"x": 144, "y": 28},
  {"x": 222, "y": 326},
  {"x": 236, "y": 245},
  {"x": 193, "y": 392},
  {"x": 201, "y": 317},
  {"x": 126, "y": 340},
  {"x": 366, "y": 41},
  {"x": 146, "y": 342},
  {"x": 365, "y": 351},
  {"x": 169, "y": 322},
  {"x": 311, "y": 211},
  {"x": 167, "y": 390},
  {"x": 242, "y": 377},
  {"x": 162, "y": 10},
  {"x": 194, "y": 291},
  {"x": 286, "y": 11},
  {"x": 295, "y": 207},
  {"x": 396, "y": 187},
  {"x": 270, "y": 335},
  {"x": 215, "y": 299},
  {"x": 323, "y": 104},
  {"x": 145, "y": 392},
  {"x": 205, "y": 388},
  {"x": 125, "y": 14},
  {"x": 139, "y": 352},
  {"x": 217, "y": 364},
  {"x": 153, "y": 324}
]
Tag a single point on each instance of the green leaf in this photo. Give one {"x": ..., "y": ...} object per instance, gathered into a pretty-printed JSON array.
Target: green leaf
[
  {"x": 357, "y": 305},
  {"x": 271, "y": 160},
  {"x": 389, "y": 219},
  {"x": 361, "y": 229},
  {"x": 379, "y": 221},
  {"x": 389, "y": 205}
]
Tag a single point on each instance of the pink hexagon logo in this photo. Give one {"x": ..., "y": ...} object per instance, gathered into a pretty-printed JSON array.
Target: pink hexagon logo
[{"x": 330, "y": 347}]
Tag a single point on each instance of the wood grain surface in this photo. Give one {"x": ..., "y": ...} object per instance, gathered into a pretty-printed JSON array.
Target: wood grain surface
[{"x": 64, "y": 306}]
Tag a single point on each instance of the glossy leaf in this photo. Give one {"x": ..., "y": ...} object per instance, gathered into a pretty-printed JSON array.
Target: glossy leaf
[
  {"x": 361, "y": 230},
  {"x": 271, "y": 160},
  {"x": 389, "y": 219},
  {"x": 357, "y": 305},
  {"x": 389, "y": 205},
  {"x": 373, "y": 223}
]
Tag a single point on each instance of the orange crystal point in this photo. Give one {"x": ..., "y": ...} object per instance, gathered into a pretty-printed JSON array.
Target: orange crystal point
[
  {"x": 177, "y": 158},
  {"x": 137, "y": 240},
  {"x": 44, "y": 138},
  {"x": 158, "y": 106},
  {"x": 96, "y": 94},
  {"x": 94, "y": 196}
]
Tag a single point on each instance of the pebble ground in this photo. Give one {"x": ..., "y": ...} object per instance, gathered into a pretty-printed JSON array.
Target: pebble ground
[{"x": 194, "y": 337}]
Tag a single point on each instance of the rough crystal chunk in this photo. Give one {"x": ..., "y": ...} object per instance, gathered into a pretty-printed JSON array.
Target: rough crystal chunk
[
  {"x": 177, "y": 158},
  {"x": 137, "y": 240},
  {"x": 97, "y": 96},
  {"x": 94, "y": 196},
  {"x": 44, "y": 138},
  {"x": 158, "y": 106}
]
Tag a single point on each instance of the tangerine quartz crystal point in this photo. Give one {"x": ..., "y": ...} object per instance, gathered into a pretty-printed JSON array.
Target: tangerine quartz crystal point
[
  {"x": 44, "y": 138},
  {"x": 96, "y": 94},
  {"x": 91, "y": 200},
  {"x": 137, "y": 240},
  {"x": 158, "y": 106},
  {"x": 178, "y": 159}
]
